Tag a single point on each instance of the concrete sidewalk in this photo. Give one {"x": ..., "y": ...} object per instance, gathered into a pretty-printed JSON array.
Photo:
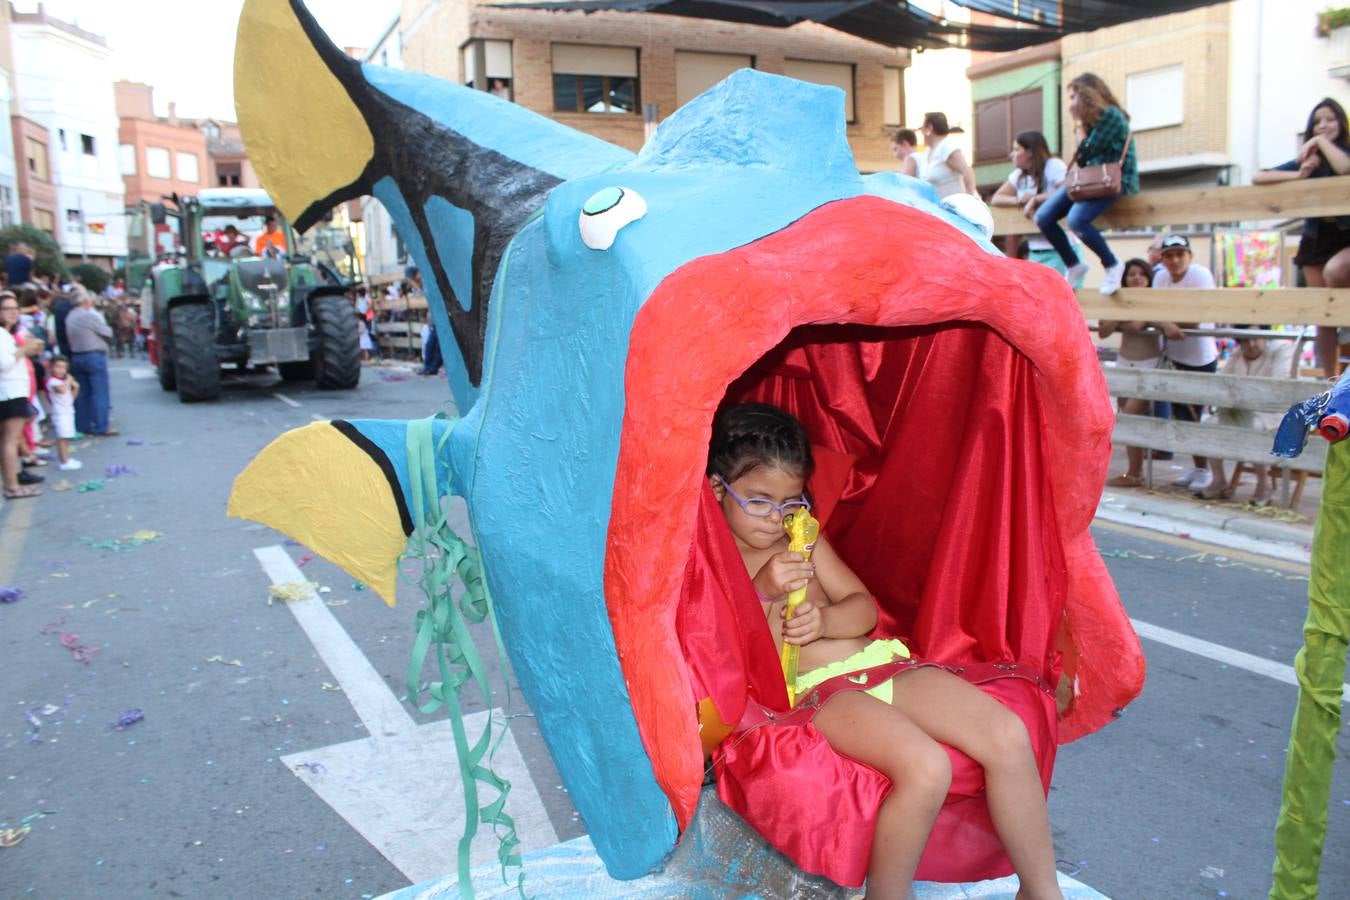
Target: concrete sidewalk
[{"x": 1277, "y": 531}]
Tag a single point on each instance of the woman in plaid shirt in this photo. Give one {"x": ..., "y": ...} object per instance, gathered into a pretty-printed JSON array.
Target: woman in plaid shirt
[{"x": 1104, "y": 128}]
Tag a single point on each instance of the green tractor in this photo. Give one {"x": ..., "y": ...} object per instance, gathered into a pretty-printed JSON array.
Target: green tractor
[{"x": 224, "y": 280}]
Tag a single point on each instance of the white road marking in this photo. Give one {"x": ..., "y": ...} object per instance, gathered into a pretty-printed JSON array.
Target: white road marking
[
  {"x": 1221, "y": 537},
  {"x": 287, "y": 400},
  {"x": 379, "y": 709},
  {"x": 141, "y": 372},
  {"x": 1226, "y": 655},
  {"x": 400, "y": 787},
  {"x": 405, "y": 797}
]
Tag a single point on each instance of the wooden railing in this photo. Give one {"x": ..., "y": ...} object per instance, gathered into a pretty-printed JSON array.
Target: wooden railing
[
  {"x": 404, "y": 337},
  {"x": 1151, "y": 211}
]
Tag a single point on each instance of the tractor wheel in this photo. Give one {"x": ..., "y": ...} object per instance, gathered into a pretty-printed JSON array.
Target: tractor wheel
[
  {"x": 296, "y": 371},
  {"x": 163, "y": 361},
  {"x": 194, "y": 352},
  {"x": 337, "y": 362}
]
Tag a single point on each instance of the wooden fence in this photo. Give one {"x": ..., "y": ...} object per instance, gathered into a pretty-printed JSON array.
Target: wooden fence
[{"x": 1151, "y": 211}]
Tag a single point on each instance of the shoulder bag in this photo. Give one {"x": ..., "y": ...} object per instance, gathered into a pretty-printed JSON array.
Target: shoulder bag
[{"x": 1096, "y": 182}]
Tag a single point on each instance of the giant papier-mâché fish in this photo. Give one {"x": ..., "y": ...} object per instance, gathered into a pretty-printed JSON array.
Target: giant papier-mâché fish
[{"x": 595, "y": 305}]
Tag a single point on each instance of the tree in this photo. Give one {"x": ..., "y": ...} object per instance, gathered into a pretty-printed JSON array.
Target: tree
[
  {"x": 50, "y": 260},
  {"x": 91, "y": 276}
]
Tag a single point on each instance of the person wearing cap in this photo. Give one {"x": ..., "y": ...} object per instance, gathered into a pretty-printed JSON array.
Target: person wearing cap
[
  {"x": 1105, "y": 138},
  {"x": 944, "y": 165},
  {"x": 1188, "y": 353}
]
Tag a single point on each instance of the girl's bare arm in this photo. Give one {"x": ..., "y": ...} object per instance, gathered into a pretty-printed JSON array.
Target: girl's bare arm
[{"x": 851, "y": 611}]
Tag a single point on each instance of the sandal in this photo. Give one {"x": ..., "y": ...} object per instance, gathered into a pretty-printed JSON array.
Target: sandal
[
  {"x": 21, "y": 492},
  {"x": 1125, "y": 481}
]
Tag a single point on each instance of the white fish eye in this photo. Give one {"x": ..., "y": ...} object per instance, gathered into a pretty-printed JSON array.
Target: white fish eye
[{"x": 606, "y": 212}]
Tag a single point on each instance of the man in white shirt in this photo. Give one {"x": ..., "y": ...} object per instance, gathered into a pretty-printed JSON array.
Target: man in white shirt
[{"x": 1193, "y": 353}]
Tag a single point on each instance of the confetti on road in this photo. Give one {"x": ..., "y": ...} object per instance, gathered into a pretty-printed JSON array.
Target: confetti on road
[
  {"x": 125, "y": 542},
  {"x": 10, "y": 837},
  {"x": 83, "y": 653},
  {"x": 312, "y": 767},
  {"x": 329, "y": 686},
  {"x": 63, "y": 485},
  {"x": 1214, "y": 559},
  {"x": 134, "y": 442},
  {"x": 117, "y": 470},
  {"x": 91, "y": 485},
  {"x": 305, "y": 560},
  {"x": 10, "y": 594},
  {"x": 290, "y": 591},
  {"x": 88, "y": 603},
  {"x": 225, "y": 662},
  {"x": 129, "y": 718}
]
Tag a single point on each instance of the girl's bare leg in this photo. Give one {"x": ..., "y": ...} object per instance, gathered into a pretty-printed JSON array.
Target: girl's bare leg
[
  {"x": 1134, "y": 455},
  {"x": 961, "y": 715},
  {"x": 1336, "y": 273},
  {"x": 63, "y": 449},
  {"x": 1326, "y": 350},
  {"x": 863, "y": 728}
]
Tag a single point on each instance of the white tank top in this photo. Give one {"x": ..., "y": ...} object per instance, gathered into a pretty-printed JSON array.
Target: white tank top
[{"x": 936, "y": 171}]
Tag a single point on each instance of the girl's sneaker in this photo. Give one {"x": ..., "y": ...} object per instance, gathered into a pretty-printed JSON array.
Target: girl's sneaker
[{"x": 71, "y": 465}]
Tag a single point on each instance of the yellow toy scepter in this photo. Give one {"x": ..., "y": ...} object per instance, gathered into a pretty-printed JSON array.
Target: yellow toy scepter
[{"x": 802, "y": 530}]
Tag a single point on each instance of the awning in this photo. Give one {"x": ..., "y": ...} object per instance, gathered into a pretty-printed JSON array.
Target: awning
[{"x": 896, "y": 23}]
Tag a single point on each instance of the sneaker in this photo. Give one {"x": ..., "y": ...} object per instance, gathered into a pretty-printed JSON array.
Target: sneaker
[
  {"x": 71, "y": 465},
  {"x": 1187, "y": 479},
  {"x": 1202, "y": 481},
  {"x": 1111, "y": 279},
  {"x": 27, "y": 477},
  {"x": 1076, "y": 273}
]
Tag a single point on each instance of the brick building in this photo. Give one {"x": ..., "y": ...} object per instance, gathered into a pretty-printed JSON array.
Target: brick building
[
  {"x": 605, "y": 73},
  {"x": 158, "y": 155}
]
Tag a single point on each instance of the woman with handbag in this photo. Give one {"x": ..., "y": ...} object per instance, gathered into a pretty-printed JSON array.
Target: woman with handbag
[{"x": 1103, "y": 169}]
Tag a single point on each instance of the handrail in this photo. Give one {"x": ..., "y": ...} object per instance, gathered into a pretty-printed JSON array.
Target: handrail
[
  {"x": 1211, "y": 389},
  {"x": 1299, "y": 306},
  {"x": 1306, "y": 198}
]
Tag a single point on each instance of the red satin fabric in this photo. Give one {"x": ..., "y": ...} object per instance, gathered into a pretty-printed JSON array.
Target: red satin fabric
[{"x": 780, "y": 777}]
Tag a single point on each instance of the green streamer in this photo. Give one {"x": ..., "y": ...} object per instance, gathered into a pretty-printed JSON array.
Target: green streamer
[
  {"x": 444, "y": 627},
  {"x": 1301, "y": 828}
]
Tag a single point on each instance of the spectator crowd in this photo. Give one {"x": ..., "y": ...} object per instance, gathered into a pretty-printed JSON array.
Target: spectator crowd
[
  {"x": 1049, "y": 191},
  {"x": 55, "y": 340}
]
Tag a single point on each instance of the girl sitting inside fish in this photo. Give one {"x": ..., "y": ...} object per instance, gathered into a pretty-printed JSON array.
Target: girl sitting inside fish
[{"x": 758, "y": 465}]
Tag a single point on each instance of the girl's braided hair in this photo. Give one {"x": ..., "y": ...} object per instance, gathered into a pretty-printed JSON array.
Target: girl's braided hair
[{"x": 750, "y": 435}]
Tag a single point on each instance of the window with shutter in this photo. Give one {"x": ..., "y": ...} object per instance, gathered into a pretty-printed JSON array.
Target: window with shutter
[
  {"x": 991, "y": 131},
  {"x": 1026, "y": 113}
]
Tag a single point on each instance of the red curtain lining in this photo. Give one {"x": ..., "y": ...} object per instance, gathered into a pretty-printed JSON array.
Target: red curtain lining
[{"x": 946, "y": 515}]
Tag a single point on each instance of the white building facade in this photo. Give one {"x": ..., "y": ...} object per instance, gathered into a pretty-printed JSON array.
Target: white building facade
[
  {"x": 384, "y": 253},
  {"x": 64, "y": 81},
  {"x": 1279, "y": 68},
  {"x": 9, "y": 185}
]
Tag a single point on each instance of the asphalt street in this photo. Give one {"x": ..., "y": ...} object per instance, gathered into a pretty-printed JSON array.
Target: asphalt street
[{"x": 229, "y": 786}]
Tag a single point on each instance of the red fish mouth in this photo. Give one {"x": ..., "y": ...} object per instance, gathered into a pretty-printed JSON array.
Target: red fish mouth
[{"x": 830, "y": 278}]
